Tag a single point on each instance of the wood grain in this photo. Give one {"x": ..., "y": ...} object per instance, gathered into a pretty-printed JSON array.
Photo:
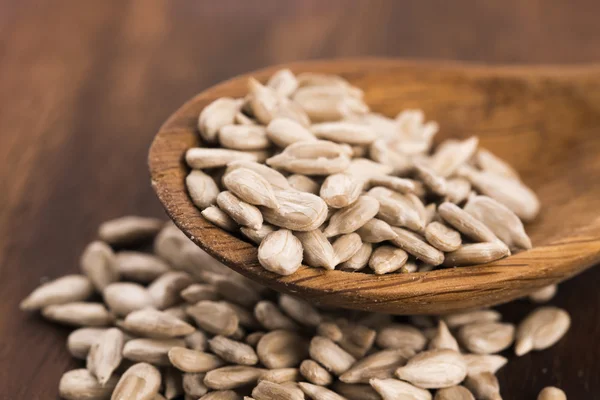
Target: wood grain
[
  {"x": 544, "y": 121},
  {"x": 84, "y": 87}
]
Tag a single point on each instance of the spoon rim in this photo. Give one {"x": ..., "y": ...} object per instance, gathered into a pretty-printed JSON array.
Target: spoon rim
[{"x": 404, "y": 293}]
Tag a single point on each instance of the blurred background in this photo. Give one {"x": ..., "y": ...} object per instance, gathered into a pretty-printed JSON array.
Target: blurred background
[{"x": 84, "y": 86}]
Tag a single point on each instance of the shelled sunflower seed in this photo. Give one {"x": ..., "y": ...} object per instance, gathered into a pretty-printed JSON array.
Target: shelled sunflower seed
[
  {"x": 172, "y": 341},
  {"x": 329, "y": 164}
]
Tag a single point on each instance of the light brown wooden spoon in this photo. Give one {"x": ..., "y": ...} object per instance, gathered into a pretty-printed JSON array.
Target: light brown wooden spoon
[{"x": 544, "y": 120}]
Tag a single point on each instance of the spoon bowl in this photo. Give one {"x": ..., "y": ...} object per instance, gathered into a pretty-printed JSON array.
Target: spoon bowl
[{"x": 545, "y": 121}]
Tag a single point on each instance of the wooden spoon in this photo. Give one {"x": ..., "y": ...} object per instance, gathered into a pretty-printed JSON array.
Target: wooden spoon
[{"x": 544, "y": 120}]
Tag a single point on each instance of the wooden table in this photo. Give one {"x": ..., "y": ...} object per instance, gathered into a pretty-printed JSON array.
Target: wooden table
[{"x": 84, "y": 86}]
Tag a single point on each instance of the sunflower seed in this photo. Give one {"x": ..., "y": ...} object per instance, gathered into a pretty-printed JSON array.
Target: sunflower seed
[
  {"x": 283, "y": 82},
  {"x": 253, "y": 338},
  {"x": 314, "y": 373},
  {"x": 80, "y": 384},
  {"x": 466, "y": 223},
  {"x": 284, "y": 132},
  {"x": 280, "y": 252},
  {"x": 457, "y": 320},
  {"x": 201, "y": 157},
  {"x": 346, "y": 246},
  {"x": 328, "y": 103},
  {"x": 311, "y": 157},
  {"x": 434, "y": 182},
  {"x": 78, "y": 314},
  {"x": 457, "y": 190},
  {"x": 330, "y": 355},
  {"x": 178, "y": 312},
  {"x": 317, "y": 251},
  {"x": 351, "y": 218},
  {"x": 552, "y": 393},
  {"x": 379, "y": 365},
  {"x": 141, "y": 381},
  {"x": 399, "y": 336},
  {"x": 193, "y": 384},
  {"x": 442, "y": 238},
  {"x": 416, "y": 246},
  {"x": 140, "y": 267},
  {"x": 165, "y": 291},
  {"x": 257, "y": 235},
  {"x": 267, "y": 104},
  {"x": 303, "y": 183},
  {"x": 220, "y": 218},
  {"x": 386, "y": 259},
  {"x": 443, "y": 339},
  {"x": 454, "y": 393},
  {"x": 317, "y": 392},
  {"x": 478, "y": 363},
  {"x": 244, "y": 137},
  {"x": 188, "y": 360},
  {"x": 202, "y": 189},
  {"x": 242, "y": 119},
  {"x": 80, "y": 341},
  {"x": 125, "y": 297},
  {"x": 340, "y": 190},
  {"x": 400, "y": 185},
  {"x": 508, "y": 191},
  {"x": 232, "y": 351},
  {"x": 273, "y": 177},
  {"x": 151, "y": 351},
  {"x": 220, "y": 395},
  {"x": 484, "y": 386},
  {"x": 269, "y": 390},
  {"x": 330, "y": 330},
  {"x": 241, "y": 212},
  {"x": 357, "y": 339},
  {"x": 217, "y": 114},
  {"x": 486, "y": 337},
  {"x": 156, "y": 324},
  {"x": 364, "y": 169},
  {"x": 105, "y": 355},
  {"x": 398, "y": 162},
  {"x": 281, "y": 375},
  {"x": 196, "y": 341},
  {"x": 250, "y": 187},
  {"x": 476, "y": 253},
  {"x": 67, "y": 289},
  {"x": 232, "y": 377},
  {"x": 298, "y": 211},
  {"x": 299, "y": 310},
  {"x": 452, "y": 154},
  {"x": 270, "y": 317},
  {"x": 328, "y": 81},
  {"x": 494, "y": 164},
  {"x": 376, "y": 231},
  {"x": 541, "y": 329},
  {"x": 434, "y": 369},
  {"x": 393, "y": 389},
  {"x": 199, "y": 291},
  {"x": 500, "y": 220},
  {"x": 281, "y": 349},
  {"x": 99, "y": 265},
  {"x": 544, "y": 294},
  {"x": 355, "y": 392},
  {"x": 359, "y": 260},
  {"x": 344, "y": 132},
  {"x": 214, "y": 317},
  {"x": 129, "y": 229},
  {"x": 397, "y": 210}
]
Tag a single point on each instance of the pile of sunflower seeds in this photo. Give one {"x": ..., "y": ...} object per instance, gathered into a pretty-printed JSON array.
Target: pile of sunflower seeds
[
  {"x": 176, "y": 324},
  {"x": 301, "y": 167}
]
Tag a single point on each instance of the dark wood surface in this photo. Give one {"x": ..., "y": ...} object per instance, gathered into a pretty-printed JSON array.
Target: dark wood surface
[{"x": 85, "y": 85}]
